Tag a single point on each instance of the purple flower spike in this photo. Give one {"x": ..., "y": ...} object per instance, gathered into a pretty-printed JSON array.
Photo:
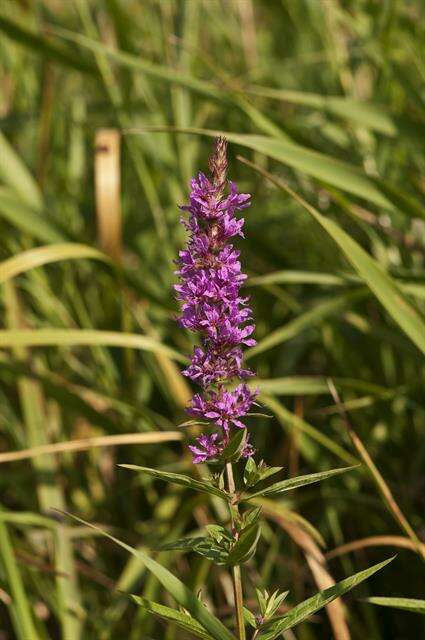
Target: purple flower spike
[{"x": 210, "y": 278}]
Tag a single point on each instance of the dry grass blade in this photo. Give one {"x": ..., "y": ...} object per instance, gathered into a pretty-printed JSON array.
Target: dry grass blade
[
  {"x": 37, "y": 419},
  {"x": 72, "y": 337},
  {"x": 376, "y": 475},
  {"x": 317, "y": 563},
  {"x": 40, "y": 256},
  {"x": 107, "y": 188},
  {"x": 374, "y": 541},
  {"x": 88, "y": 443}
]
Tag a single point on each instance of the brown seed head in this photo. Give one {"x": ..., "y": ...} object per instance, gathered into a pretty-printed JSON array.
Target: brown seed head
[{"x": 218, "y": 164}]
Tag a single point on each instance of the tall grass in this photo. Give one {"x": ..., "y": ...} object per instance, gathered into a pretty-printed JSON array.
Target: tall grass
[{"x": 107, "y": 107}]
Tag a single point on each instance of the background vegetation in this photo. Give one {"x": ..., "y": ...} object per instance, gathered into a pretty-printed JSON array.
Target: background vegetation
[{"x": 325, "y": 95}]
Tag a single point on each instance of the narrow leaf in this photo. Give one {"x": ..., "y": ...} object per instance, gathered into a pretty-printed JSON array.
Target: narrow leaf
[
  {"x": 15, "y": 174},
  {"x": 245, "y": 547},
  {"x": 27, "y": 219},
  {"x": 321, "y": 599},
  {"x": 182, "y": 620},
  {"x": 408, "y": 604},
  {"x": 177, "y": 478},
  {"x": 174, "y": 586},
  {"x": 232, "y": 452},
  {"x": 300, "y": 481}
]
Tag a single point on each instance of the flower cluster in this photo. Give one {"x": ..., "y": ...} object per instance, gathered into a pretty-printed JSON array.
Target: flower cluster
[{"x": 210, "y": 279}]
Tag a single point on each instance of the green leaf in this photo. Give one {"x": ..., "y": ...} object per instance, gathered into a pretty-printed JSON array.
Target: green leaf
[
  {"x": 311, "y": 318},
  {"x": 160, "y": 72},
  {"x": 40, "y": 44},
  {"x": 174, "y": 586},
  {"x": 176, "y": 478},
  {"x": 39, "y": 256},
  {"x": 207, "y": 547},
  {"x": 313, "y": 604},
  {"x": 15, "y": 174},
  {"x": 245, "y": 547},
  {"x": 214, "y": 548},
  {"x": 182, "y": 620},
  {"x": 251, "y": 517},
  {"x": 293, "y": 421},
  {"x": 292, "y": 385},
  {"x": 408, "y": 604},
  {"x": 26, "y": 219},
  {"x": 294, "y": 483},
  {"x": 253, "y": 474},
  {"x": 233, "y": 450},
  {"x": 185, "y": 544},
  {"x": 313, "y": 163},
  {"x": 20, "y": 606},
  {"x": 300, "y": 277},
  {"x": 363, "y": 113},
  {"x": 249, "y": 618},
  {"x": 383, "y": 286},
  {"x": 327, "y": 279},
  {"x": 250, "y": 472}
]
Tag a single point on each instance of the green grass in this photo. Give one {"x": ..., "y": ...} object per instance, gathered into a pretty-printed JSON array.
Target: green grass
[{"x": 323, "y": 101}]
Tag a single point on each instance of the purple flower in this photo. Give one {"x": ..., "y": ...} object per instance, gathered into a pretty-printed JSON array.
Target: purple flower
[
  {"x": 210, "y": 278},
  {"x": 209, "y": 447},
  {"x": 223, "y": 407},
  {"x": 206, "y": 448},
  {"x": 209, "y": 366}
]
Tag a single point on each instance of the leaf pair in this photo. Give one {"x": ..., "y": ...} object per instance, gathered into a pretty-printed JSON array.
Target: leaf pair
[
  {"x": 213, "y": 627},
  {"x": 220, "y": 545},
  {"x": 253, "y": 473},
  {"x": 295, "y": 483},
  {"x": 203, "y": 624},
  {"x": 273, "y": 628}
]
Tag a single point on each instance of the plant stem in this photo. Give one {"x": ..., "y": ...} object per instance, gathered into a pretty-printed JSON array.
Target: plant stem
[{"x": 236, "y": 570}]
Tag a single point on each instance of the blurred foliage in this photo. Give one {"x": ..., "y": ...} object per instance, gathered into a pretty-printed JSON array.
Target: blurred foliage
[{"x": 334, "y": 89}]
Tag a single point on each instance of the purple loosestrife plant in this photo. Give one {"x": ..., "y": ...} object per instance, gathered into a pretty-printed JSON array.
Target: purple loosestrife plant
[
  {"x": 212, "y": 305},
  {"x": 209, "y": 290}
]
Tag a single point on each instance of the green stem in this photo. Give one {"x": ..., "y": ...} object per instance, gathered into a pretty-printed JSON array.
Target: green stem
[{"x": 236, "y": 570}]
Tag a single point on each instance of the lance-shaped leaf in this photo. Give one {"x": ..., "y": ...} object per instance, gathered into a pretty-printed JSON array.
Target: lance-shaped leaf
[
  {"x": 233, "y": 451},
  {"x": 173, "y": 585},
  {"x": 203, "y": 546},
  {"x": 182, "y": 620},
  {"x": 177, "y": 478},
  {"x": 294, "y": 483},
  {"x": 245, "y": 547},
  {"x": 313, "y": 604},
  {"x": 408, "y": 604},
  {"x": 254, "y": 474},
  {"x": 249, "y": 618}
]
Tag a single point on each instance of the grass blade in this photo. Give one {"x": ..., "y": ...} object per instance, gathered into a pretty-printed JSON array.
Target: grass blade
[
  {"x": 407, "y": 604},
  {"x": 20, "y": 606},
  {"x": 16, "y": 175},
  {"x": 174, "y": 586},
  {"x": 26, "y": 219},
  {"x": 381, "y": 284},
  {"x": 84, "y": 444},
  {"x": 40, "y": 256},
  {"x": 74, "y": 337}
]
